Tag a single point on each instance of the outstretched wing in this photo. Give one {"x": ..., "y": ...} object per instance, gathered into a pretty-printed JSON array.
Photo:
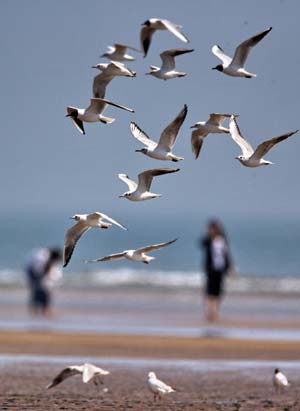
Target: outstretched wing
[
  {"x": 219, "y": 52},
  {"x": 111, "y": 220},
  {"x": 110, "y": 257},
  {"x": 131, "y": 184},
  {"x": 72, "y": 236},
  {"x": 140, "y": 135},
  {"x": 146, "y": 37},
  {"x": 197, "y": 140},
  {"x": 155, "y": 246},
  {"x": 122, "y": 48},
  {"x": 64, "y": 374},
  {"x": 263, "y": 148},
  {"x": 236, "y": 135},
  {"x": 168, "y": 136},
  {"x": 175, "y": 29},
  {"x": 146, "y": 177},
  {"x": 98, "y": 105},
  {"x": 168, "y": 58},
  {"x": 217, "y": 119}
]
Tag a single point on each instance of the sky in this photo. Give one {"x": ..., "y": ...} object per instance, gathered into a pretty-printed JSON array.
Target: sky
[{"x": 48, "y": 49}]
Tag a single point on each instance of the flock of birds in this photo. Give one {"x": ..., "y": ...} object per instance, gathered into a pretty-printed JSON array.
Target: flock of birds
[{"x": 161, "y": 150}]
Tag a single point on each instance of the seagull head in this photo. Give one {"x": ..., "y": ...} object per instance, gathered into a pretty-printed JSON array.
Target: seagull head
[
  {"x": 151, "y": 374},
  {"x": 75, "y": 217},
  {"x": 276, "y": 371},
  {"x": 73, "y": 113},
  {"x": 142, "y": 150},
  {"x": 194, "y": 126},
  {"x": 125, "y": 195},
  {"x": 100, "y": 66},
  {"x": 146, "y": 23},
  {"x": 219, "y": 67},
  {"x": 240, "y": 158}
]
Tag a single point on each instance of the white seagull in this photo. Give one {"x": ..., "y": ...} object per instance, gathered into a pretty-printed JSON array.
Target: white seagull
[
  {"x": 84, "y": 223},
  {"x": 167, "y": 70},
  {"x": 163, "y": 149},
  {"x": 279, "y": 380},
  {"x": 93, "y": 113},
  {"x": 138, "y": 255},
  {"x": 141, "y": 191},
  {"x": 150, "y": 26},
  {"x": 89, "y": 372},
  {"x": 249, "y": 157},
  {"x": 203, "y": 128},
  {"x": 118, "y": 51},
  {"x": 235, "y": 67},
  {"x": 158, "y": 387},
  {"x": 109, "y": 72}
]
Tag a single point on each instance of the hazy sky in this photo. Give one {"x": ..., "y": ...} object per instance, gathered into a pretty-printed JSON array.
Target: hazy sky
[{"x": 48, "y": 48}]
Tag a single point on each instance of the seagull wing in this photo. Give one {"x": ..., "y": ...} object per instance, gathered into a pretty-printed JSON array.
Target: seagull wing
[
  {"x": 131, "y": 184},
  {"x": 163, "y": 387},
  {"x": 197, "y": 141},
  {"x": 217, "y": 119},
  {"x": 100, "y": 83},
  {"x": 66, "y": 373},
  {"x": 168, "y": 136},
  {"x": 236, "y": 135},
  {"x": 155, "y": 247},
  {"x": 111, "y": 220},
  {"x": 282, "y": 378},
  {"x": 175, "y": 29},
  {"x": 219, "y": 52},
  {"x": 243, "y": 50},
  {"x": 146, "y": 37},
  {"x": 72, "y": 236},
  {"x": 146, "y": 177},
  {"x": 140, "y": 135},
  {"x": 122, "y": 48},
  {"x": 110, "y": 257},
  {"x": 263, "y": 148},
  {"x": 168, "y": 58}
]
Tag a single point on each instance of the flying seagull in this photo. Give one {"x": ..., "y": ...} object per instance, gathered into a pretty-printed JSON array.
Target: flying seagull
[
  {"x": 118, "y": 51},
  {"x": 203, "y": 128},
  {"x": 158, "y": 387},
  {"x": 249, "y": 157},
  {"x": 109, "y": 72},
  {"x": 167, "y": 70},
  {"x": 89, "y": 372},
  {"x": 84, "y": 223},
  {"x": 93, "y": 113},
  {"x": 279, "y": 380},
  {"x": 163, "y": 149},
  {"x": 149, "y": 28},
  {"x": 235, "y": 67},
  {"x": 141, "y": 191},
  {"x": 138, "y": 255}
]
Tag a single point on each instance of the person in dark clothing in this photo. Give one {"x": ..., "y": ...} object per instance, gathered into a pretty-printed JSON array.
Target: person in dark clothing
[{"x": 217, "y": 263}]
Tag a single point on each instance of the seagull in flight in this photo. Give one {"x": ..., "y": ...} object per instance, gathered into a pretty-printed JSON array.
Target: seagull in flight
[
  {"x": 163, "y": 149},
  {"x": 279, "y": 380},
  {"x": 249, "y": 157},
  {"x": 203, "y": 128},
  {"x": 141, "y": 191},
  {"x": 83, "y": 224},
  {"x": 89, "y": 372},
  {"x": 138, "y": 255},
  {"x": 149, "y": 28},
  {"x": 93, "y": 113},
  {"x": 118, "y": 51},
  {"x": 158, "y": 387},
  {"x": 235, "y": 67},
  {"x": 109, "y": 72},
  {"x": 167, "y": 70}
]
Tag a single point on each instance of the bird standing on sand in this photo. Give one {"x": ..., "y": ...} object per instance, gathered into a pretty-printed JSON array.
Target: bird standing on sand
[
  {"x": 249, "y": 157},
  {"x": 167, "y": 70},
  {"x": 152, "y": 25},
  {"x": 158, "y": 387},
  {"x": 118, "y": 51},
  {"x": 235, "y": 66},
  {"x": 163, "y": 149},
  {"x": 279, "y": 380}
]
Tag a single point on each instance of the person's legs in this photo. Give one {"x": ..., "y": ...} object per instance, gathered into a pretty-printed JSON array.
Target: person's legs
[
  {"x": 212, "y": 308},
  {"x": 214, "y": 291}
]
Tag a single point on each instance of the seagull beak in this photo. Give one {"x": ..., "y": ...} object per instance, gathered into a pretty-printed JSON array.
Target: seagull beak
[
  {"x": 214, "y": 68},
  {"x": 148, "y": 74},
  {"x": 68, "y": 115},
  {"x": 138, "y": 151},
  {"x": 194, "y": 126},
  {"x": 236, "y": 158},
  {"x": 122, "y": 196},
  {"x": 94, "y": 67},
  {"x": 102, "y": 55}
]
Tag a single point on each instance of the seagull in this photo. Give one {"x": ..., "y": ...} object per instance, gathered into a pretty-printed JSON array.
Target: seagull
[
  {"x": 89, "y": 372},
  {"x": 93, "y": 113},
  {"x": 163, "y": 149},
  {"x": 151, "y": 25},
  {"x": 140, "y": 191},
  {"x": 117, "y": 52},
  {"x": 167, "y": 70},
  {"x": 203, "y": 128},
  {"x": 157, "y": 387},
  {"x": 235, "y": 67},
  {"x": 109, "y": 72},
  {"x": 279, "y": 380},
  {"x": 249, "y": 157},
  {"x": 84, "y": 223},
  {"x": 138, "y": 255}
]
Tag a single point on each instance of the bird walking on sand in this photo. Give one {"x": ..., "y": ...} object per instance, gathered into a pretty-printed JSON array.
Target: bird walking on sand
[
  {"x": 93, "y": 113},
  {"x": 118, "y": 52},
  {"x": 141, "y": 191},
  {"x": 279, "y": 380},
  {"x": 108, "y": 73},
  {"x": 203, "y": 128},
  {"x": 163, "y": 149},
  {"x": 235, "y": 66},
  {"x": 158, "y": 387},
  {"x": 167, "y": 70},
  {"x": 89, "y": 372},
  {"x": 152, "y": 25},
  {"x": 249, "y": 157},
  {"x": 84, "y": 223},
  {"x": 138, "y": 255}
]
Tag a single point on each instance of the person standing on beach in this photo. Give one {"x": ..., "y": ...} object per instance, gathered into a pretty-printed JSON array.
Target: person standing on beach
[
  {"x": 43, "y": 272},
  {"x": 217, "y": 263}
]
